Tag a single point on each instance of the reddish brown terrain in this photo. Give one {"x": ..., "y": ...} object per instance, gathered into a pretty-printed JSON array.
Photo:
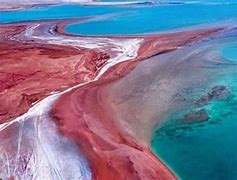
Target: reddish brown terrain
[
  {"x": 112, "y": 152},
  {"x": 31, "y": 70}
]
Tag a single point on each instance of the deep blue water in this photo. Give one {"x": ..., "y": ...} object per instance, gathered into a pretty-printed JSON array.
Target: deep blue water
[
  {"x": 54, "y": 12},
  {"x": 129, "y": 19},
  {"x": 157, "y": 18}
]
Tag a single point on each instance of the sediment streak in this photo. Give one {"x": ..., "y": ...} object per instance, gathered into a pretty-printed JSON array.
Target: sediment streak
[{"x": 31, "y": 147}]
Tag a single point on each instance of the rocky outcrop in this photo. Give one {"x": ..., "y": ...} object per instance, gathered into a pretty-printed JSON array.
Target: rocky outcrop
[
  {"x": 196, "y": 117},
  {"x": 216, "y": 93}
]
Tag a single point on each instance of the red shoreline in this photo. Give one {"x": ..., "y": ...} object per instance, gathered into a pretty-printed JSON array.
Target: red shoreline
[
  {"x": 88, "y": 119},
  {"x": 111, "y": 152}
]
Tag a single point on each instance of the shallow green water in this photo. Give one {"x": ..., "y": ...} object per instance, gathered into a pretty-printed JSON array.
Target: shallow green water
[{"x": 205, "y": 150}]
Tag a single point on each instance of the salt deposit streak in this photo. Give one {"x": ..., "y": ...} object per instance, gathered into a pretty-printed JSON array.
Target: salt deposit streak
[
  {"x": 31, "y": 147},
  {"x": 125, "y": 48}
]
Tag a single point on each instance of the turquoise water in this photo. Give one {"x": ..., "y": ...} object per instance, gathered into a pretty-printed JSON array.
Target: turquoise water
[
  {"x": 154, "y": 19},
  {"x": 204, "y": 150},
  {"x": 128, "y": 19},
  {"x": 230, "y": 52},
  {"x": 55, "y": 12},
  {"x": 205, "y": 1}
]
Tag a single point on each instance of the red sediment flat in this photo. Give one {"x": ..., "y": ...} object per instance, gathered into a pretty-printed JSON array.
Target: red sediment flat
[
  {"x": 158, "y": 44},
  {"x": 30, "y": 70},
  {"x": 85, "y": 115},
  {"x": 113, "y": 154}
]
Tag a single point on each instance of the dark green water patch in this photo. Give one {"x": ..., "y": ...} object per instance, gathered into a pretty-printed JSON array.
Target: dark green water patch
[{"x": 206, "y": 149}]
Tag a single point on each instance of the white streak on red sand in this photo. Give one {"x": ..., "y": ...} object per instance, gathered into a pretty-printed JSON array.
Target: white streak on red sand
[
  {"x": 124, "y": 49},
  {"x": 31, "y": 147}
]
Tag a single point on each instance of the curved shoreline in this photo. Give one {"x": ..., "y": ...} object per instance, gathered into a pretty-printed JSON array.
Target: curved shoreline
[
  {"x": 38, "y": 43},
  {"x": 77, "y": 121},
  {"x": 111, "y": 152}
]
